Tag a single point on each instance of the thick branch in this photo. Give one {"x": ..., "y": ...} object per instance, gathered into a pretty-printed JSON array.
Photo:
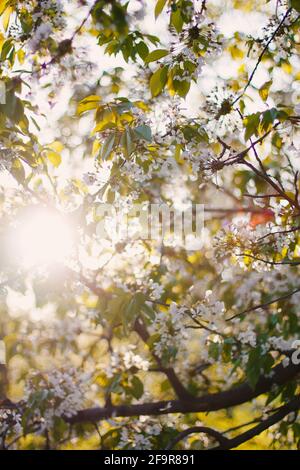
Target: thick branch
[
  {"x": 293, "y": 405},
  {"x": 198, "y": 429},
  {"x": 211, "y": 402},
  {"x": 226, "y": 443}
]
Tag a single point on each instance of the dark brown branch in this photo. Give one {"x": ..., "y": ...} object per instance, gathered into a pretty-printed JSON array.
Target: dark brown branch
[
  {"x": 240, "y": 157},
  {"x": 85, "y": 19},
  {"x": 279, "y": 232},
  {"x": 198, "y": 429},
  {"x": 211, "y": 402},
  {"x": 272, "y": 183},
  {"x": 293, "y": 405},
  {"x": 203, "y": 7},
  {"x": 3, "y": 382},
  {"x": 260, "y": 196},
  {"x": 3, "y": 378},
  {"x": 257, "y": 157},
  {"x": 226, "y": 443}
]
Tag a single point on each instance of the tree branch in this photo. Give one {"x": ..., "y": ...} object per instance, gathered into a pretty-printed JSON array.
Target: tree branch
[
  {"x": 262, "y": 55},
  {"x": 269, "y": 180},
  {"x": 211, "y": 402},
  {"x": 198, "y": 429},
  {"x": 293, "y": 405},
  {"x": 272, "y": 263},
  {"x": 226, "y": 443},
  {"x": 266, "y": 304}
]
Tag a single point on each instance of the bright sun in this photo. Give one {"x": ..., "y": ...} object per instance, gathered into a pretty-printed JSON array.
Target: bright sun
[{"x": 43, "y": 237}]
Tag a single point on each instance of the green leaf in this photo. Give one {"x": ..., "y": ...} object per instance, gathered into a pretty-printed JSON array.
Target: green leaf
[
  {"x": 268, "y": 118},
  {"x": 182, "y": 88},
  {"x": 277, "y": 140},
  {"x": 127, "y": 142},
  {"x": 142, "y": 50},
  {"x": 253, "y": 367},
  {"x": 159, "y": 7},
  {"x": 17, "y": 170},
  {"x": 158, "y": 80},
  {"x": 149, "y": 312},
  {"x": 296, "y": 5},
  {"x": 133, "y": 310},
  {"x": 137, "y": 387},
  {"x": 251, "y": 124},
  {"x": 6, "y": 49},
  {"x": 214, "y": 351},
  {"x": 177, "y": 20},
  {"x": 18, "y": 111},
  {"x": 107, "y": 147},
  {"x": 35, "y": 123},
  {"x": 154, "y": 39},
  {"x": 13, "y": 107},
  {"x": 165, "y": 386},
  {"x": 156, "y": 55},
  {"x": 114, "y": 385},
  {"x": 143, "y": 132},
  {"x": 242, "y": 106},
  {"x": 116, "y": 308}
]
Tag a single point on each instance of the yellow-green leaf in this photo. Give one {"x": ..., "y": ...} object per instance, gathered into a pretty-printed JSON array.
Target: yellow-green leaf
[
  {"x": 106, "y": 119},
  {"x": 236, "y": 52},
  {"x": 17, "y": 170},
  {"x": 88, "y": 103},
  {"x": 264, "y": 90},
  {"x": 54, "y": 158},
  {"x": 158, "y": 80},
  {"x": 96, "y": 147},
  {"x": 156, "y": 55},
  {"x": 159, "y": 7},
  {"x": 296, "y": 5},
  {"x": 3, "y": 4},
  {"x": 6, "y": 14},
  {"x": 176, "y": 20},
  {"x": 56, "y": 146}
]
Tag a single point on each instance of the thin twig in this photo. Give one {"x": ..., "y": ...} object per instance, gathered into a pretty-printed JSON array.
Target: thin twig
[
  {"x": 266, "y": 304},
  {"x": 262, "y": 55}
]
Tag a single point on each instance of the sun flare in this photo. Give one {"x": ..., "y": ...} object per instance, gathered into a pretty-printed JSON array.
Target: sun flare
[{"x": 43, "y": 237}]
